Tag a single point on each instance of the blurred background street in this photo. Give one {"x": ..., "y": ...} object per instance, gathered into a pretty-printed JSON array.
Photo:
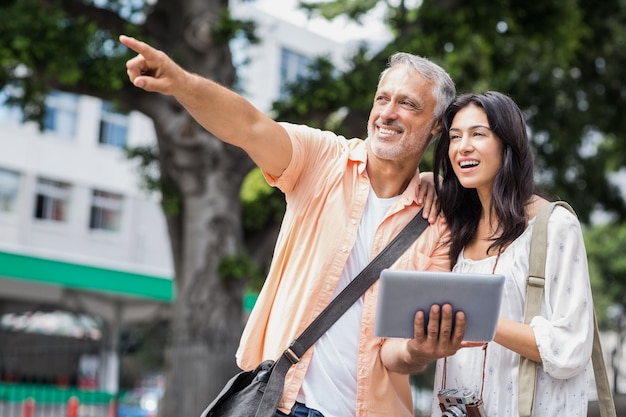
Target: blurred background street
[{"x": 133, "y": 244}]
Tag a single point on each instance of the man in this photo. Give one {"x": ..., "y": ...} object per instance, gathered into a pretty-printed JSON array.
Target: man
[{"x": 346, "y": 199}]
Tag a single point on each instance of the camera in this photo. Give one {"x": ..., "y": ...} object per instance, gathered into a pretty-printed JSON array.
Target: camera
[{"x": 454, "y": 403}]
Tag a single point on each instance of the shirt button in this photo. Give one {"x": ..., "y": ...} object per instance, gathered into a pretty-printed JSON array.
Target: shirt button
[
  {"x": 300, "y": 366},
  {"x": 327, "y": 287},
  {"x": 344, "y": 248},
  {"x": 353, "y": 221}
]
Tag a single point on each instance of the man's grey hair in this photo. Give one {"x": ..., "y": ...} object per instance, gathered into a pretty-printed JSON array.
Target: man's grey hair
[{"x": 444, "y": 90}]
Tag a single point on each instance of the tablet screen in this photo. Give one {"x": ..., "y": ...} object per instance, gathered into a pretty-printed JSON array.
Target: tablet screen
[{"x": 402, "y": 293}]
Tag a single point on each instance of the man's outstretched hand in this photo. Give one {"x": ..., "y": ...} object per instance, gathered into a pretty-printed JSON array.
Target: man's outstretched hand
[{"x": 152, "y": 70}]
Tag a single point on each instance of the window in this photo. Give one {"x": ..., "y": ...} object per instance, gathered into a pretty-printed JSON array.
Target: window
[
  {"x": 292, "y": 66},
  {"x": 106, "y": 211},
  {"x": 9, "y": 113},
  {"x": 113, "y": 126},
  {"x": 52, "y": 200},
  {"x": 9, "y": 186},
  {"x": 61, "y": 113}
]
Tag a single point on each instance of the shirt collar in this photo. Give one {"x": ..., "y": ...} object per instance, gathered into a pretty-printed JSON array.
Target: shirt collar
[{"x": 409, "y": 196}]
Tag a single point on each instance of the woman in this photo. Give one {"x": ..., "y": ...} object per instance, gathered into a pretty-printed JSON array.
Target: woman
[{"x": 487, "y": 195}]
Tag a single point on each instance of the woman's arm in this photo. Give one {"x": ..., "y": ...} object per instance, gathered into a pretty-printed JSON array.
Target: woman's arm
[{"x": 518, "y": 337}]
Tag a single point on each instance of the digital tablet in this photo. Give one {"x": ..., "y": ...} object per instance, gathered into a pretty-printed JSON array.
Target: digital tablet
[{"x": 402, "y": 293}]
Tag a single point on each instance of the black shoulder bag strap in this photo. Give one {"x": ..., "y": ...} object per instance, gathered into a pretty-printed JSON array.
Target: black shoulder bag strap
[{"x": 335, "y": 309}]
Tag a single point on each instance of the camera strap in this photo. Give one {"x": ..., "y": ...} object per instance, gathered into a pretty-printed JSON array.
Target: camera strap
[{"x": 482, "y": 382}]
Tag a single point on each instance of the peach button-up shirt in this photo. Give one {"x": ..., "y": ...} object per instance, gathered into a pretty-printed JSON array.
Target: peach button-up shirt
[{"x": 326, "y": 188}]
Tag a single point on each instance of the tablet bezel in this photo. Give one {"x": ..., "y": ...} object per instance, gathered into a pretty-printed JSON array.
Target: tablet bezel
[{"x": 401, "y": 293}]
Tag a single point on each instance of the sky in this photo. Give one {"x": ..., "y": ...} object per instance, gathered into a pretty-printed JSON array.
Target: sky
[{"x": 340, "y": 29}]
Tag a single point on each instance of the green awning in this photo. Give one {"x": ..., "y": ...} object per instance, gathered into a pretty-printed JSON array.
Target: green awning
[{"x": 90, "y": 278}]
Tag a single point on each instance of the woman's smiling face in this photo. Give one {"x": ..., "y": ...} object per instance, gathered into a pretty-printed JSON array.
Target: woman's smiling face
[{"x": 475, "y": 152}]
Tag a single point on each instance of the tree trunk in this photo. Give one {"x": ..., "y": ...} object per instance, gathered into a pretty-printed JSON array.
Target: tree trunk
[
  {"x": 206, "y": 175},
  {"x": 207, "y": 315}
]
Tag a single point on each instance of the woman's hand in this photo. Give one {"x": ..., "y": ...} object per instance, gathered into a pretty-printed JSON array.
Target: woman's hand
[
  {"x": 426, "y": 197},
  {"x": 437, "y": 339}
]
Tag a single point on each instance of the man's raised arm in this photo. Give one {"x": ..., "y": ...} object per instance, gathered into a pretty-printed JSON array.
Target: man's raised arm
[{"x": 219, "y": 110}]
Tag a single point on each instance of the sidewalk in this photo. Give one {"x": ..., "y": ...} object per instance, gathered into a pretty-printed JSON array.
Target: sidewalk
[{"x": 620, "y": 406}]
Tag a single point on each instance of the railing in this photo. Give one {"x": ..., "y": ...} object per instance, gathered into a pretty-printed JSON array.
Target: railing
[{"x": 35, "y": 400}]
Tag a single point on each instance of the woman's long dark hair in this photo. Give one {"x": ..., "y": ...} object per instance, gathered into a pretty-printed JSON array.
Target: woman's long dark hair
[{"x": 513, "y": 185}]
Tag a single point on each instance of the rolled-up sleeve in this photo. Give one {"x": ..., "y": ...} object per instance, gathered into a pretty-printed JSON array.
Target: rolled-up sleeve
[{"x": 564, "y": 331}]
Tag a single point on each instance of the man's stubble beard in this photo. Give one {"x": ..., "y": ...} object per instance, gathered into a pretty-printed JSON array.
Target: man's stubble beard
[{"x": 407, "y": 146}]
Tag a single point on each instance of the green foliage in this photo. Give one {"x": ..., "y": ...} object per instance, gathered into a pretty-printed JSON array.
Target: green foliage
[
  {"x": 241, "y": 267},
  {"x": 262, "y": 204},
  {"x": 607, "y": 264},
  {"x": 151, "y": 179},
  {"x": 228, "y": 28},
  {"x": 147, "y": 157},
  {"x": 354, "y": 9},
  {"x": 44, "y": 47},
  {"x": 313, "y": 87},
  {"x": 320, "y": 99}
]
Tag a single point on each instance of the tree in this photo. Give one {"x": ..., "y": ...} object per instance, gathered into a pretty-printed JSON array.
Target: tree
[
  {"x": 607, "y": 268},
  {"x": 559, "y": 60},
  {"x": 72, "y": 46}
]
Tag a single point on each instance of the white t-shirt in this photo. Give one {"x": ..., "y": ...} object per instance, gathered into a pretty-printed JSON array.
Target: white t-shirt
[{"x": 330, "y": 382}]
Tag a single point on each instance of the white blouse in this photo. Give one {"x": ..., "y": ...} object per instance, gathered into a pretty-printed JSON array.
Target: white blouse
[{"x": 564, "y": 331}]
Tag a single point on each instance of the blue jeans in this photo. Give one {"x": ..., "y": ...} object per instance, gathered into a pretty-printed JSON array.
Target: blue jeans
[{"x": 300, "y": 410}]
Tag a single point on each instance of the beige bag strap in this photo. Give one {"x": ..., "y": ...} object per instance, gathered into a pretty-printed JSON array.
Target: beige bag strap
[{"x": 534, "y": 294}]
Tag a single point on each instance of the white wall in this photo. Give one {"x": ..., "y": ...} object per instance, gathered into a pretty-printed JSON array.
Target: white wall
[{"x": 141, "y": 245}]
